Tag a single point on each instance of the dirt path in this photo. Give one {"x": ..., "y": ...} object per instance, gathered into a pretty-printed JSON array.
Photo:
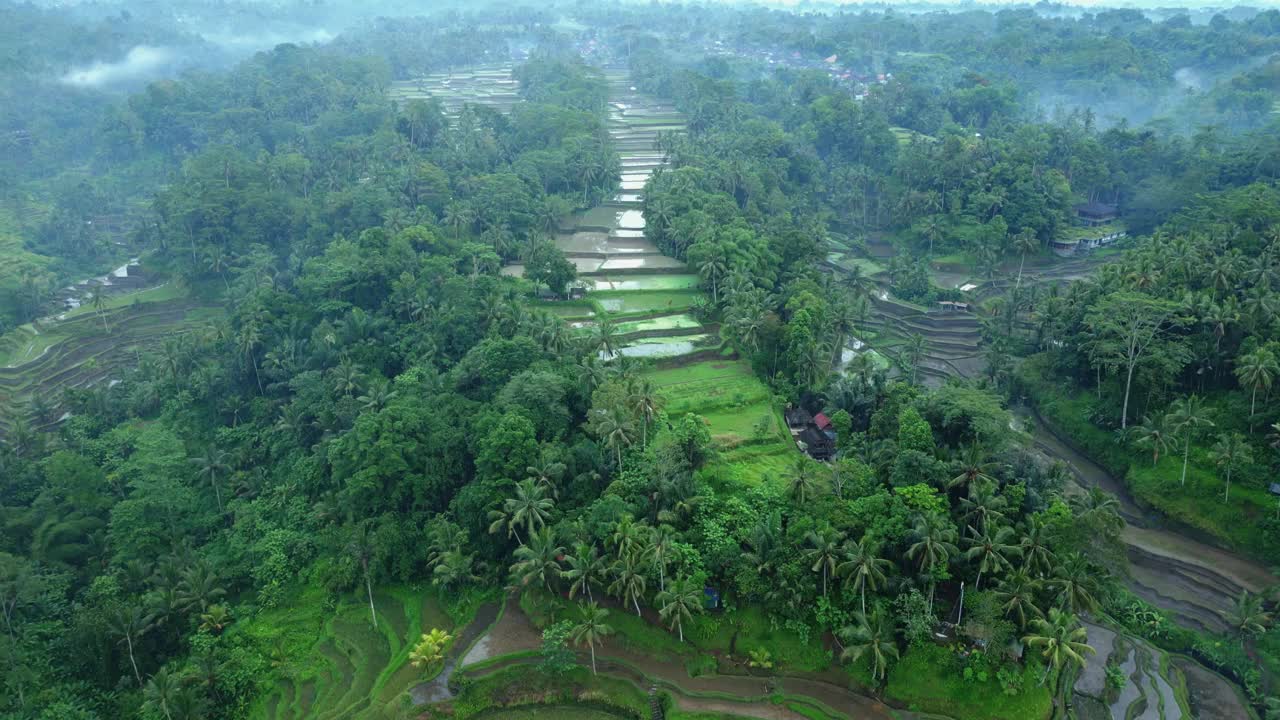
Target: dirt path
[{"x": 1193, "y": 580}]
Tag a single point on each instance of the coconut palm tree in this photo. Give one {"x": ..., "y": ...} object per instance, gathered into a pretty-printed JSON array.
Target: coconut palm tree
[
  {"x": 870, "y": 636},
  {"x": 864, "y": 565},
  {"x": 605, "y": 336},
  {"x": 538, "y": 562},
  {"x": 1098, "y": 508},
  {"x": 1037, "y": 558},
  {"x": 1063, "y": 643},
  {"x": 626, "y": 536},
  {"x": 1186, "y": 419},
  {"x": 585, "y": 566},
  {"x": 1076, "y": 584},
  {"x": 211, "y": 466},
  {"x": 991, "y": 551},
  {"x": 1230, "y": 452},
  {"x": 591, "y": 630},
  {"x": 629, "y": 580},
  {"x": 801, "y": 483},
  {"x": 912, "y": 353},
  {"x": 1024, "y": 242},
  {"x": 98, "y": 298},
  {"x": 1016, "y": 596},
  {"x": 530, "y": 507},
  {"x": 159, "y": 691},
  {"x": 934, "y": 547},
  {"x": 975, "y": 467},
  {"x": 823, "y": 552},
  {"x": 645, "y": 402},
  {"x": 1247, "y": 618},
  {"x": 1257, "y": 371},
  {"x": 678, "y": 603},
  {"x": 661, "y": 547},
  {"x": 1152, "y": 434},
  {"x": 983, "y": 506},
  {"x": 615, "y": 430},
  {"x": 129, "y": 625}
]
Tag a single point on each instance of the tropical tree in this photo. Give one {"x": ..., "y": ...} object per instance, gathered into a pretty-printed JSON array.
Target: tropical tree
[
  {"x": 1016, "y": 596},
  {"x": 530, "y": 507},
  {"x": 1076, "y": 584},
  {"x": 991, "y": 551},
  {"x": 824, "y": 552},
  {"x": 628, "y": 580},
  {"x": 129, "y": 625},
  {"x": 802, "y": 481},
  {"x": 1230, "y": 452},
  {"x": 1247, "y": 618},
  {"x": 538, "y": 561},
  {"x": 1151, "y": 434},
  {"x": 615, "y": 430},
  {"x": 592, "y": 629},
  {"x": 933, "y": 548},
  {"x": 1062, "y": 641},
  {"x": 429, "y": 649},
  {"x": 1186, "y": 419},
  {"x": 870, "y": 636},
  {"x": 976, "y": 467},
  {"x": 1037, "y": 557},
  {"x": 912, "y": 353},
  {"x": 863, "y": 564},
  {"x": 98, "y": 299},
  {"x": 159, "y": 692},
  {"x": 1257, "y": 371},
  {"x": 1024, "y": 242},
  {"x": 645, "y": 403},
  {"x": 585, "y": 566},
  {"x": 1099, "y": 509},
  {"x": 211, "y": 466},
  {"x": 678, "y": 603}
]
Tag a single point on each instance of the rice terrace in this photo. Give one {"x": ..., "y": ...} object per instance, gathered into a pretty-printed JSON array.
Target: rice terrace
[{"x": 638, "y": 361}]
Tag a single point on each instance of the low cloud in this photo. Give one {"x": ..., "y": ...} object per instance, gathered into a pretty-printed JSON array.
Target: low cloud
[{"x": 141, "y": 63}]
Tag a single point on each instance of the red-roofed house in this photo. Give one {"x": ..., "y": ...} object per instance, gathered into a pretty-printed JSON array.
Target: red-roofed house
[{"x": 822, "y": 421}]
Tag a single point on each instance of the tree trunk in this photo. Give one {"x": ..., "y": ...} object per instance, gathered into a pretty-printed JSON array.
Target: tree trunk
[
  {"x": 213, "y": 480},
  {"x": 593, "y": 659},
  {"x": 1226, "y": 497},
  {"x": 1020, "y": 266},
  {"x": 1185, "y": 454},
  {"x": 680, "y": 627},
  {"x": 368, "y": 586},
  {"x": 864, "y": 597},
  {"x": 635, "y": 600},
  {"x": 1124, "y": 411},
  {"x": 128, "y": 638}
]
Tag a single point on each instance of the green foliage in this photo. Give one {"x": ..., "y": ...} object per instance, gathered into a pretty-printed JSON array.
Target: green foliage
[
  {"x": 557, "y": 657},
  {"x": 930, "y": 677}
]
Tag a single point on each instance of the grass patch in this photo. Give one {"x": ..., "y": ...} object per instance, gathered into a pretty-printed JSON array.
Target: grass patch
[
  {"x": 525, "y": 688},
  {"x": 928, "y": 679},
  {"x": 790, "y": 650}
]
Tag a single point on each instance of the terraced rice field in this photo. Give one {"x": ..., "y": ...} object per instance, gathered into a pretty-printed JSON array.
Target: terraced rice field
[
  {"x": 50, "y": 357},
  {"x": 488, "y": 85},
  {"x": 746, "y": 426},
  {"x": 1155, "y": 689},
  {"x": 337, "y": 665}
]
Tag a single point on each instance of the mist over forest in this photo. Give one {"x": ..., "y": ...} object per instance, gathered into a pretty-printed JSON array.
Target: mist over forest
[{"x": 619, "y": 360}]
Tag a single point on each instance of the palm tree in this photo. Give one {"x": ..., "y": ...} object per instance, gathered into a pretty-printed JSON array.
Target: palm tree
[
  {"x": 1064, "y": 643},
  {"x": 591, "y": 630},
  {"x": 1037, "y": 558},
  {"x": 661, "y": 546},
  {"x": 605, "y": 336},
  {"x": 98, "y": 298},
  {"x": 627, "y": 535},
  {"x": 763, "y": 543},
  {"x": 129, "y": 625},
  {"x": 912, "y": 353},
  {"x": 678, "y": 603},
  {"x": 159, "y": 691},
  {"x": 983, "y": 505},
  {"x": 712, "y": 268},
  {"x": 628, "y": 580},
  {"x": 215, "y": 619},
  {"x": 975, "y": 467},
  {"x": 1024, "y": 242},
  {"x": 1076, "y": 584},
  {"x": 645, "y": 402},
  {"x": 862, "y": 563},
  {"x": 1257, "y": 370},
  {"x": 1247, "y": 617},
  {"x": 584, "y": 566},
  {"x": 248, "y": 341},
  {"x": 199, "y": 588},
  {"x": 1228, "y": 453},
  {"x": 615, "y": 430},
  {"x": 824, "y": 551},
  {"x": 530, "y": 506},
  {"x": 801, "y": 483},
  {"x": 1100, "y": 509},
  {"x": 933, "y": 548},
  {"x": 211, "y": 465},
  {"x": 537, "y": 562},
  {"x": 1151, "y": 434},
  {"x": 869, "y": 636},
  {"x": 1016, "y": 595},
  {"x": 1186, "y": 419},
  {"x": 991, "y": 551}
]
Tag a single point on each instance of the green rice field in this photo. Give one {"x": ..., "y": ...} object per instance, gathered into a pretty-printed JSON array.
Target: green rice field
[
  {"x": 648, "y": 282},
  {"x": 666, "y": 322},
  {"x": 639, "y": 302}
]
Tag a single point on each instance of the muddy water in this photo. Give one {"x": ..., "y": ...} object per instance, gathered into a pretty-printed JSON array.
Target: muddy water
[
  {"x": 1195, "y": 581},
  {"x": 437, "y": 688}
]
